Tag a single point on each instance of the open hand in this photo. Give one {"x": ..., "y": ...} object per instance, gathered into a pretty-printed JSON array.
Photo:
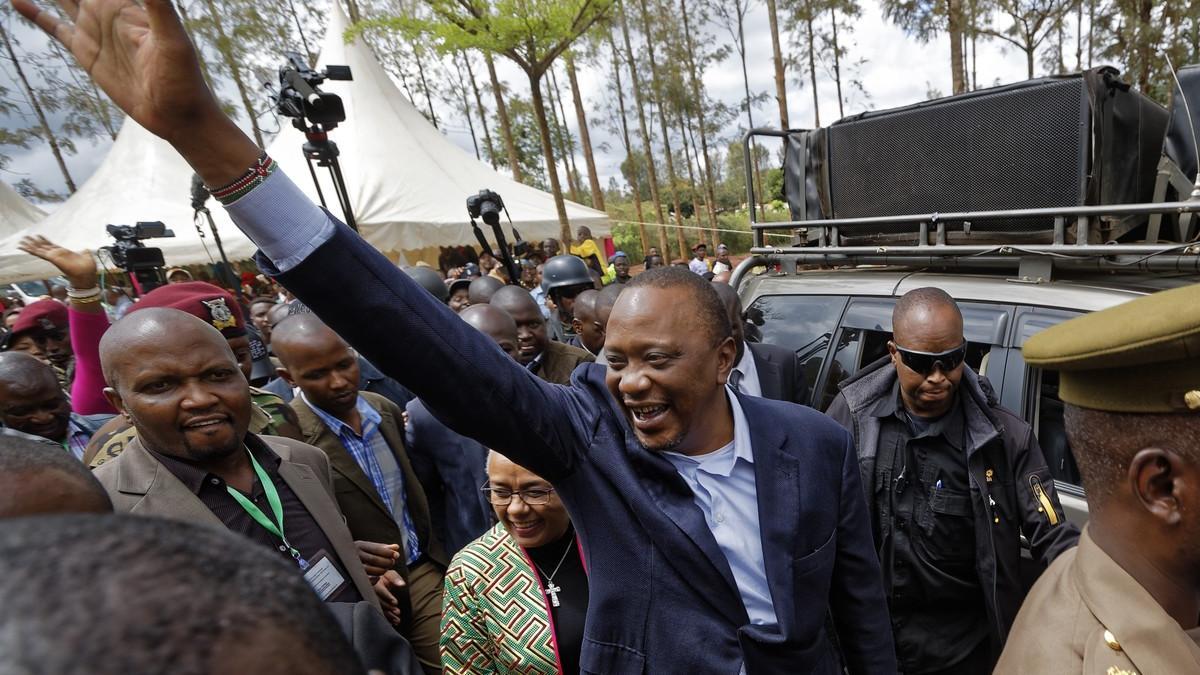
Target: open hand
[
  {"x": 142, "y": 58},
  {"x": 79, "y": 268}
]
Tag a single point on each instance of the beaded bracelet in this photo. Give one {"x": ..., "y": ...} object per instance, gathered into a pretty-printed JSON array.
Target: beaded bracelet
[
  {"x": 77, "y": 294},
  {"x": 253, "y": 177}
]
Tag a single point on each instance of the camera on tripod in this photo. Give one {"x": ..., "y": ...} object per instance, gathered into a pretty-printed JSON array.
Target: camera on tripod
[
  {"x": 485, "y": 205},
  {"x": 130, "y": 254},
  {"x": 301, "y": 99}
]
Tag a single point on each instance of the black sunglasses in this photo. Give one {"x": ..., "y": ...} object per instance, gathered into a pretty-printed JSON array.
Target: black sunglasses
[{"x": 925, "y": 362}]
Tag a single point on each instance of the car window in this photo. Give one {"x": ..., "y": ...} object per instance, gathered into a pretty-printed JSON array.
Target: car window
[
  {"x": 1043, "y": 407},
  {"x": 803, "y": 323}
]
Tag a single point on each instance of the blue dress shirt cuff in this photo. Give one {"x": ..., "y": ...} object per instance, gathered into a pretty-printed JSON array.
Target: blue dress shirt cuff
[{"x": 282, "y": 221}]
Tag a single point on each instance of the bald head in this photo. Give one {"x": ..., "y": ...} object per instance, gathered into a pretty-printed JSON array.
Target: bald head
[
  {"x": 513, "y": 299},
  {"x": 494, "y": 323},
  {"x": 585, "y": 305},
  {"x": 481, "y": 290},
  {"x": 153, "y": 330},
  {"x": 302, "y": 331},
  {"x": 21, "y": 369},
  {"x": 531, "y": 325},
  {"x": 924, "y": 310},
  {"x": 36, "y": 478}
]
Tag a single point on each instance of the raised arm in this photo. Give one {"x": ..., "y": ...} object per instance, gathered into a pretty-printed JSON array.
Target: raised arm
[
  {"x": 143, "y": 59},
  {"x": 88, "y": 322}
]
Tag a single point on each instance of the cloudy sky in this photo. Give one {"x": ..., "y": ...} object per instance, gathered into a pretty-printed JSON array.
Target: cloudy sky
[{"x": 895, "y": 70}]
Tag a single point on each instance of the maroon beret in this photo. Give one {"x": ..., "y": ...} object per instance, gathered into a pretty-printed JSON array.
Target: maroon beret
[
  {"x": 216, "y": 306},
  {"x": 41, "y": 315}
]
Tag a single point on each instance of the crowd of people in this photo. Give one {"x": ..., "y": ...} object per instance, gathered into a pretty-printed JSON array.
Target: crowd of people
[{"x": 579, "y": 470}]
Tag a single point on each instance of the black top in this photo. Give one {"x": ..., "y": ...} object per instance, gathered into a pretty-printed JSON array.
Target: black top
[
  {"x": 301, "y": 529},
  {"x": 568, "y": 617},
  {"x": 937, "y": 604}
]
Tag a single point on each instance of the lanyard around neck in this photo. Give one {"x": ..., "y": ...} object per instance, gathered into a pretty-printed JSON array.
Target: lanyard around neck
[{"x": 274, "y": 526}]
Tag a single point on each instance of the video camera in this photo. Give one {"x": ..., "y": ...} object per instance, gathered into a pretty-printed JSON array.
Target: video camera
[
  {"x": 300, "y": 99},
  {"x": 130, "y": 254}
]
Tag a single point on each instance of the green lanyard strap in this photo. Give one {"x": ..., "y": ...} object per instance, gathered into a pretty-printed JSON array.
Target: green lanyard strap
[{"x": 274, "y": 526}]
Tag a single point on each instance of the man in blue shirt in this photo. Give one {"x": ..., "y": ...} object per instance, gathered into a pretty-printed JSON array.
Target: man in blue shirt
[
  {"x": 669, "y": 590},
  {"x": 376, "y": 488}
]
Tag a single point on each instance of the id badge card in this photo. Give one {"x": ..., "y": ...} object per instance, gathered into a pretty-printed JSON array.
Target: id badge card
[{"x": 323, "y": 575}]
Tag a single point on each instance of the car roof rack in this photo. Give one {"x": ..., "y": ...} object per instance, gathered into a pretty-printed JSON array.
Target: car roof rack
[{"x": 927, "y": 239}]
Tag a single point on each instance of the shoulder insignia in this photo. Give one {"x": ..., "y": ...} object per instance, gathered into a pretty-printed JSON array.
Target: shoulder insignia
[
  {"x": 1113, "y": 670},
  {"x": 221, "y": 316},
  {"x": 1045, "y": 507},
  {"x": 1111, "y": 641}
]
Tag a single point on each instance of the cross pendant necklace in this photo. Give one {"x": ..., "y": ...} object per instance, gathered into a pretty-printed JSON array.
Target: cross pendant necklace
[{"x": 552, "y": 589}]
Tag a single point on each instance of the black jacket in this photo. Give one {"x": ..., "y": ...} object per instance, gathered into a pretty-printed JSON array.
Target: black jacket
[{"x": 1006, "y": 468}]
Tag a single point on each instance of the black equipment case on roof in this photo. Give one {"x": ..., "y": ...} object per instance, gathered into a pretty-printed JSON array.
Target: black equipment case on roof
[{"x": 1084, "y": 139}]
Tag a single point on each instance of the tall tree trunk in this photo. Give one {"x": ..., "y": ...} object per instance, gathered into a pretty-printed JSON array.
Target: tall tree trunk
[
  {"x": 585, "y": 138},
  {"x": 780, "y": 77},
  {"x": 698, "y": 96},
  {"x": 637, "y": 188},
  {"x": 809, "y": 18},
  {"x": 352, "y": 10},
  {"x": 1029, "y": 63},
  {"x": 837, "y": 61},
  {"x": 487, "y": 136},
  {"x": 225, "y": 47},
  {"x": 424, "y": 84},
  {"x": 34, "y": 102},
  {"x": 741, "y": 47},
  {"x": 656, "y": 85},
  {"x": 687, "y": 156},
  {"x": 647, "y": 139},
  {"x": 466, "y": 103},
  {"x": 539, "y": 113},
  {"x": 974, "y": 27},
  {"x": 955, "y": 30},
  {"x": 560, "y": 134},
  {"x": 567, "y": 138},
  {"x": 1078, "y": 35},
  {"x": 505, "y": 124}
]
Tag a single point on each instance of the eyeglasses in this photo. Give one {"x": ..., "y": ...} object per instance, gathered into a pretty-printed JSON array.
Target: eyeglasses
[
  {"x": 925, "y": 362},
  {"x": 531, "y": 496}
]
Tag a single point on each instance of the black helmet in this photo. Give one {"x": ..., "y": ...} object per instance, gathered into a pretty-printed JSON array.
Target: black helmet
[
  {"x": 430, "y": 281},
  {"x": 565, "y": 270}
]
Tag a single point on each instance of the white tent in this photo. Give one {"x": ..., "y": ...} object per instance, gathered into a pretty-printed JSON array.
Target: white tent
[
  {"x": 15, "y": 212},
  {"x": 407, "y": 182},
  {"x": 141, "y": 178}
]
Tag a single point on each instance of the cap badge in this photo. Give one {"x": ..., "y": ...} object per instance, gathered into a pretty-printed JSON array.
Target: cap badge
[
  {"x": 45, "y": 323},
  {"x": 1192, "y": 399},
  {"x": 221, "y": 316}
]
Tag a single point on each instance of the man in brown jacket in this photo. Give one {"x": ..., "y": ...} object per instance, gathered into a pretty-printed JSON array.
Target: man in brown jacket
[
  {"x": 1128, "y": 598},
  {"x": 362, "y": 434},
  {"x": 552, "y": 361},
  {"x": 177, "y": 380}
]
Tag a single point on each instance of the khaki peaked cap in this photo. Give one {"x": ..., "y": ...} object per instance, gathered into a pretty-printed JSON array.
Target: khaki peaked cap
[{"x": 1142, "y": 356}]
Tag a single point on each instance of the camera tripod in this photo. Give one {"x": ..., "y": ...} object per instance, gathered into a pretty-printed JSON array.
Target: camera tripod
[{"x": 325, "y": 152}]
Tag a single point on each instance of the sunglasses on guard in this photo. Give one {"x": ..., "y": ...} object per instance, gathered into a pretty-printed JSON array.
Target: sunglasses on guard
[{"x": 925, "y": 362}]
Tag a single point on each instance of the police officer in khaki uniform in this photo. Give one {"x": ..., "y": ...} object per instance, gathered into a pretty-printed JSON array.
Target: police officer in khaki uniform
[{"x": 1127, "y": 600}]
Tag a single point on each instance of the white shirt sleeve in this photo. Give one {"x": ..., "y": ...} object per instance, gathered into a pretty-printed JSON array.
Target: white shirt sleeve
[{"x": 282, "y": 221}]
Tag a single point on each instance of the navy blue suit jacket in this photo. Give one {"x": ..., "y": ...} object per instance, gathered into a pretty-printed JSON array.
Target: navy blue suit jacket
[
  {"x": 663, "y": 598},
  {"x": 452, "y": 469}
]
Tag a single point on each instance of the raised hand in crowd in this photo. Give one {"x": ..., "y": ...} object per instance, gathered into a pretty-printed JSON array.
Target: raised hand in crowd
[
  {"x": 79, "y": 267},
  {"x": 142, "y": 58}
]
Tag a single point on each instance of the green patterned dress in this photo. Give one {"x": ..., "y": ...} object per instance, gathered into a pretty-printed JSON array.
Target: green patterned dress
[{"x": 494, "y": 614}]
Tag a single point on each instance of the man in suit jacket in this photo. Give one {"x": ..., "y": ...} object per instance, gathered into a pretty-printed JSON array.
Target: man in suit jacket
[
  {"x": 684, "y": 574},
  {"x": 362, "y": 434},
  {"x": 176, "y": 379},
  {"x": 550, "y": 360},
  {"x": 761, "y": 369}
]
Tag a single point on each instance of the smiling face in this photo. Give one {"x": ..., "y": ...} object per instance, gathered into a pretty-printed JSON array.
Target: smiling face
[
  {"x": 30, "y": 399},
  {"x": 531, "y": 325},
  {"x": 531, "y": 525},
  {"x": 667, "y": 369},
  {"x": 934, "y": 329},
  {"x": 190, "y": 401}
]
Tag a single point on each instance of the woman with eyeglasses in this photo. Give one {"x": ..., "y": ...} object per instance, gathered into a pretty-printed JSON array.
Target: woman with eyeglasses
[{"x": 517, "y": 596}]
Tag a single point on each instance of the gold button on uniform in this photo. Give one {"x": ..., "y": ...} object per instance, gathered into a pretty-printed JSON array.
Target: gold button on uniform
[
  {"x": 1192, "y": 400},
  {"x": 1111, "y": 641}
]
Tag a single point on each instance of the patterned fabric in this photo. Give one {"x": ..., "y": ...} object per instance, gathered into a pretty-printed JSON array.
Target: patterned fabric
[
  {"x": 77, "y": 438},
  {"x": 273, "y": 405},
  {"x": 377, "y": 459},
  {"x": 494, "y": 616}
]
